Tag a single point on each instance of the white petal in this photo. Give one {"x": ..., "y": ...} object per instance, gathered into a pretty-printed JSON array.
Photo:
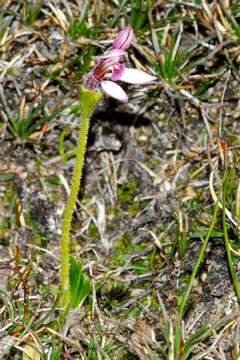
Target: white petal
[
  {"x": 134, "y": 76},
  {"x": 114, "y": 90}
]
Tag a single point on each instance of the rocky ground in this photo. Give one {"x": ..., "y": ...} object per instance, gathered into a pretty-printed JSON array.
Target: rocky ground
[{"x": 147, "y": 197}]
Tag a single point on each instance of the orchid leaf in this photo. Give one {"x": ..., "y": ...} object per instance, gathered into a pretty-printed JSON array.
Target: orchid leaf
[{"x": 80, "y": 284}]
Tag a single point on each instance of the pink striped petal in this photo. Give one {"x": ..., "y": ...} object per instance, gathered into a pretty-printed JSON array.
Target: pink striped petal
[
  {"x": 124, "y": 39},
  {"x": 114, "y": 53},
  {"x": 111, "y": 57},
  {"x": 114, "y": 90},
  {"x": 135, "y": 76}
]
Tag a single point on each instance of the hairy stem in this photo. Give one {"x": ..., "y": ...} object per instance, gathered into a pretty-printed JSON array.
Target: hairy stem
[{"x": 88, "y": 102}]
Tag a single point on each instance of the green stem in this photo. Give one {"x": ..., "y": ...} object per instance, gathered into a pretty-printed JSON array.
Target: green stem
[
  {"x": 227, "y": 245},
  {"x": 88, "y": 102},
  {"x": 200, "y": 256}
]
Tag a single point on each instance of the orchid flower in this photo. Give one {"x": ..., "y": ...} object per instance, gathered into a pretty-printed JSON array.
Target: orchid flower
[{"x": 108, "y": 70}]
